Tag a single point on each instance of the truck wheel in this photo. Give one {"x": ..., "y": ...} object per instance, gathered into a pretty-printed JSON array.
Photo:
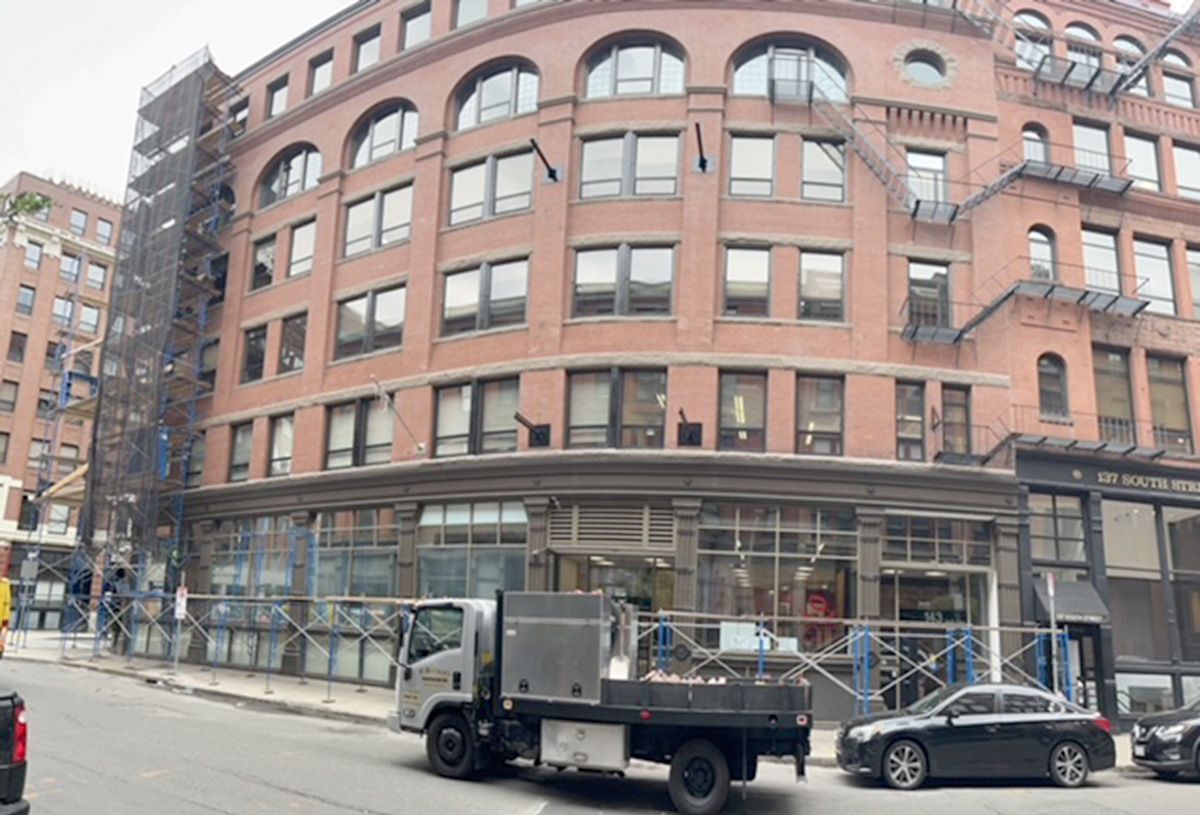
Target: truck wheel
[
  {"x": 449, "y": 747},
  {"x": 699, "y": 780}
]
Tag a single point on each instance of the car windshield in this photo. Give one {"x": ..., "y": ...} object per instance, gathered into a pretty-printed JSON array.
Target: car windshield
[
  {"x": 1194, "y": 707},
  {"x": 928, "y": 703}
]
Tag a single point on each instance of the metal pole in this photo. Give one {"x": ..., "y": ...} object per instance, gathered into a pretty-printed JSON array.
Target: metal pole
[
  {"x": 1053, "y": 634},
  {"x": 333, "y": 649},
  {"x": 762, "y": 654},
  {"x": 175, "y": 646}
]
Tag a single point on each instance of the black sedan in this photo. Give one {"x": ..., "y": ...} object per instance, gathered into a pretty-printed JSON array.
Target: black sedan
[
  {"x": 979, "y": 731},
  {"x": 1169, "y": 743}
]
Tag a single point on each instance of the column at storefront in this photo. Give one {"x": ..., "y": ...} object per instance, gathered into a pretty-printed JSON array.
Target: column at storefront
[
  {"x": 1008, "y": 582},
  {"x": 1106, "y": 656},
  {"x": 406, "y": 560},
  {"x": 199, "y": 576},
  {"x": 300, "y": 533},
  {"x": 687, "y": 514},
  {"x": 537, "y": 545},
  {"x": 870, "y": 552}
]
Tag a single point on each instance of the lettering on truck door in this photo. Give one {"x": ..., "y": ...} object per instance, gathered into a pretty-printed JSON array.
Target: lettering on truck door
[{"x": 435, "y": 659}]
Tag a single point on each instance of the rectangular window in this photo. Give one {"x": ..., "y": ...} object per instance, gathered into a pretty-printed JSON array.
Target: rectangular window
[
  {"x": 656, "y": 167},
  {"x": 1142, "y": 152},
  {"x": 381, "y": 220},
  {"x": 320, "y": 73},
  {"x": 747, "y": 282},
  {"x": 1169, "y": 404},
  {"x": 1187, "y": 171},
  {"x": 824, "y": 171},
  {"x": 89, "y": 319},
  {"x": 26, "y": 295},
  {"x": 1193, "y": 262},
  {"x": 371, "y": 322},
  {"x": 493, "y": 187},
  {"x": 282, "y": 439},
  {"x": 956, "y": 420},
  {"x": 208, "y": 362},
  {"x": 291, "y": 343},
  {"x": 752, "y": 166},
  {"x": 68, "y": 268},
  {"x": 45, "y": 404},
  {"x": 927, "y": 175},
  {"x": 8, "y": 396},
  {"x": 491, "y": 296},
  {"x": 240, "y": 450},
  {"x": 194, "y": 474},
  {"x": 822, "y": 286},
  {"x": 255, "y": 354},
  {"x": 1114, "y": 396},
  {"x": 819, "y": 415},
  {"x": 366, "y": 49},
  {"x": 38, "y": 449},
  {"x": 53, "y": 351},
  {"x": 359, "y": 433},
  {"x": 104, "y": 231},
  {"x": 264, "y": 263},
  {"x": 632, "y": 164},
  {"x": 1091, "y": 148},
  {"x": 16, "y": 346},
  {"x": 97, "y": 276},
  {"x": 79, "y": 220},
  {"x": 27, "y": 521},
  {"x": 300, "y": 259},
  {"x": 1152, "y": 264},
  {"x": 470, "y": 11},
  {"x": 417, "y": 26},
  {"x": 928, "y": 294},
  {"x": 467, "y": 425},
  {"x": 910, "y": 421},
  {"x": 632, "y": 414},
  {"x": 1179, "y": 90},
  {"x": 277, "y": 97},
  {"x": 1101, "y": 262},
  {"x": 1056, "y": 530},
  {"x": 4, "y": 448},
  {"x": 33, "y": 255},
  {"x": 743, "y": 412},
  {"x": 625, "y": 281},
  {"x": 602, "y": 169}
]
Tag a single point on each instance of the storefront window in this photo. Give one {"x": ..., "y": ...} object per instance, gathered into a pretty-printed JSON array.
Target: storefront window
[
  {"x": 938, "y": 540},
  {"x": 471, "y": 550},
  {"x": 1056, "y": 531},
  {"x": 1183, "y": 536},
  {"x": 778, "y": 562},
  {"x": 1139, "y": 694},
  {"x": 932, "y": 596},
  {"x": 1130, "y": 539},
  {"x": 646, "y": 583},
  {"x": 1139, "y": 618}
]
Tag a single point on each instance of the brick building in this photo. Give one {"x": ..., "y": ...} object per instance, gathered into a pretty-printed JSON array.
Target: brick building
[
  {"x": 845, "y": 309},
  {"x": 55, "y": 278}
]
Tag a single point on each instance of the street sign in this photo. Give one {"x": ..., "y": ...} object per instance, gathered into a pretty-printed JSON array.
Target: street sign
[
  {"x": 29, "y": 570},
  {"x": 181, "y": 595}
]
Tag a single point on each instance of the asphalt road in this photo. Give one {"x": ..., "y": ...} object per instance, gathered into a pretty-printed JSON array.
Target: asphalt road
[{"x": 105, "y": 744}]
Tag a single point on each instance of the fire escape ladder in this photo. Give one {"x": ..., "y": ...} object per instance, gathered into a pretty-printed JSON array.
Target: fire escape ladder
[
  {"x": 992, "y": 190},
  {"x": 1133, "y": 74}
]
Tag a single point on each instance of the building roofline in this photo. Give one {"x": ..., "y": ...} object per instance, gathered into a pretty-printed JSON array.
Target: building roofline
[
  {"x": 14, "y": 183},
  {"x": 320, "y": 28}
]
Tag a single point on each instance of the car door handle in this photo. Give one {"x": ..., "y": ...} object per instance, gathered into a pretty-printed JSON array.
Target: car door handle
[{"x": 992, "y": 728}]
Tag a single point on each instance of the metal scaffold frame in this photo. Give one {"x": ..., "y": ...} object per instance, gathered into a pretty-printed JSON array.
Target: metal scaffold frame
[{"x": 178, "y": 199}]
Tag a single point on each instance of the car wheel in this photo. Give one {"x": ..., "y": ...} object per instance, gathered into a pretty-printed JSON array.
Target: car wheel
[
  {"x": 904, "y": 766},
  {"x": 449, "y": 747},
  {"x": 699, "y": 780},
  {"x": 1069, "y": 765}
]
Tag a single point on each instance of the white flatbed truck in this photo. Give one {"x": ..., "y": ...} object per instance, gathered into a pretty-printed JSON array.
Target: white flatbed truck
[{"x": 534, "y": 676}]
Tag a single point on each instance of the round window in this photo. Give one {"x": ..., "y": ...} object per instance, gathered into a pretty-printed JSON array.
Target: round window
[{"x": 925, "y": 67}]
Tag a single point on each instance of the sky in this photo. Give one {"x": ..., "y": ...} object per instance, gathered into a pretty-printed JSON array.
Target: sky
[{"x": 71, "y": 70}]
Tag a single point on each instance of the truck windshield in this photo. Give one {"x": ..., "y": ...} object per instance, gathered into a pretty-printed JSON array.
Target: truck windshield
[{"x": 434, "y": 630}]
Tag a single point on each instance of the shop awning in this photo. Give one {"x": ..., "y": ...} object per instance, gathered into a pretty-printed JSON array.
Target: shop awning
[{"x": 1075, "y": 601}]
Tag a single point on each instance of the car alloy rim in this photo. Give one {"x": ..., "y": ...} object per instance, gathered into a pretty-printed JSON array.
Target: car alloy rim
[
  {"x": 450, "y": 745},
  {"x": 699, "y": 777},
  {"x": 904, "y": 765},
  {"x": 1068, "y": 764}
]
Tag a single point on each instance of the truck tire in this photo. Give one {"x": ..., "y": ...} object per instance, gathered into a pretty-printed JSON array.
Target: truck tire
[
  {"x": 699, "y": 781},
  {"x": 449, "y": 746}
]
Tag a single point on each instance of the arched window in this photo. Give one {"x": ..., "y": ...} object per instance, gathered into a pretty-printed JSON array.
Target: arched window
[
  {"x": 297, "y": 169},
  {"x": 497, "y": 94},
  {"x": 1083, "y": 49},
  {"x": 1037, "y": 144},
  {"x": 1031, "y": 19},
  {"x": 1041, "y": 254},
  {"x": 1178, "y": 88},
  {"x": 1034, "y": 44},
  {"x": 635, "y": 67},
  {"x": 1177, "y": 59},
  {"x": 389, "y": 129},
  {"x": 786, "y": 69},
  {"x": 1052, "y": 386},
  {"x": 1131, "y": 51},
  {"x": 1083, "y": 32}
]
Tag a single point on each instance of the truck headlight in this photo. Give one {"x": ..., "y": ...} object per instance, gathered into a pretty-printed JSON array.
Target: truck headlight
[{"x": 1172, "y": 733}]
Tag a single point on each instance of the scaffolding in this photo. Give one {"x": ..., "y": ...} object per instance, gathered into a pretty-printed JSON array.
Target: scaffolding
[{"x": 178, "y": 200}]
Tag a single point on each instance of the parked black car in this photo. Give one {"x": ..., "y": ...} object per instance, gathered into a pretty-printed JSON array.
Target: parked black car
[
  {"x": 1168, "y": 743},
  {"x": 979, "y": 731}
]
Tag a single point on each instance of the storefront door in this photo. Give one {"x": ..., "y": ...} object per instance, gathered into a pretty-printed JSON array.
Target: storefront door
[{"x": 647, "y": 583}]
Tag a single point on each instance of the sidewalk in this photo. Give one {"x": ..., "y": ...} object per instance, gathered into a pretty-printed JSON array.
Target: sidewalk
[{"x": 345, "y": 701}]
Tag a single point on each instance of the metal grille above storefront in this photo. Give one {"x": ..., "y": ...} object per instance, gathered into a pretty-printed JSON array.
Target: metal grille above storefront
[{"x": 613, "y": 528}]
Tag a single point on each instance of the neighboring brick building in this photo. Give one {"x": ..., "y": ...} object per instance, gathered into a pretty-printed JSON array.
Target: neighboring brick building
[
  {"x": 55, "y": 277},
  {"x": 905, "y": 394}
]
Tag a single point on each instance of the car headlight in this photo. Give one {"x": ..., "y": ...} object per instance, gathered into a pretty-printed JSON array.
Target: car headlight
[
  {"x": 864, "y": 732},
  {"x": 1171, "y": 733}
]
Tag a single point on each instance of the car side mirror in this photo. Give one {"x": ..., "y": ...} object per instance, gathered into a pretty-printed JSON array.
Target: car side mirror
[{"x": 951, "y": 715}]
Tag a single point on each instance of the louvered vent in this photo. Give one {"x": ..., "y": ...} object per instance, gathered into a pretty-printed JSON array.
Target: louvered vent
[{"x": 613, "y": 527}]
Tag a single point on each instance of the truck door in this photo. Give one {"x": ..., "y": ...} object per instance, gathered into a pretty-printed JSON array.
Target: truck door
[{"x": 435, "y": 669}]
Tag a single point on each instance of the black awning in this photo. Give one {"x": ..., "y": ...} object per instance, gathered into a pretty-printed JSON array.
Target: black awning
[{"x": 1075, "y": 601}]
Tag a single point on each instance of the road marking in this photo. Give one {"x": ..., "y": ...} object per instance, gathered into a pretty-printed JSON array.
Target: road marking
[{"x": 152, "y": 774}]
